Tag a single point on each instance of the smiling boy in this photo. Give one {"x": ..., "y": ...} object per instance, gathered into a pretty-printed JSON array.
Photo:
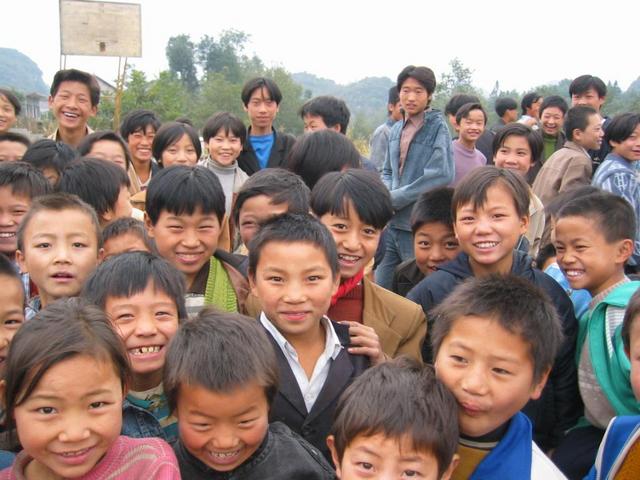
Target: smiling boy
[{"x": 471, "y": 120}]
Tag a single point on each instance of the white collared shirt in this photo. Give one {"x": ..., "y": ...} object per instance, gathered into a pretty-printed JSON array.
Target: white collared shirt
[{"x": 309, "y": 387}]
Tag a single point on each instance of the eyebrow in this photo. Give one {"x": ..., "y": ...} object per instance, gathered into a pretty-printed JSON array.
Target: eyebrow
[
  {"x": 367, "y": 450},
  {"x": 239, "y": 414},
  {"x": 274, "y": 269},
  {"x": 42, "y": 396}
]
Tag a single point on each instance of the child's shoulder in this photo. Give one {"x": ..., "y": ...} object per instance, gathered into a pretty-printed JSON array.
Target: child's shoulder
[
  {"x": 390, "y": 299},
  {"x": 622, "y": 434}
]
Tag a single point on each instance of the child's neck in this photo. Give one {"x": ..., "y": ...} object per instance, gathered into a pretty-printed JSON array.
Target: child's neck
[
  {"x": 468, "y": 144},
  {"x": 142, "y": 383},
  {"x": 608, "y": 284},
  {"x": 502, "y": 267},
  {"x": 72, "y": 137},
  {"x": 260, "y": 131},
  {"x": 142, "y": 169},
  {"x": 309, "y": 346}
]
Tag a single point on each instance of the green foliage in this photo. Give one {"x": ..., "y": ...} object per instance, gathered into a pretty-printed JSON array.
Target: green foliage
[
  {"x": 181, "y": 55},
  {"x": 223, "y": 56}
]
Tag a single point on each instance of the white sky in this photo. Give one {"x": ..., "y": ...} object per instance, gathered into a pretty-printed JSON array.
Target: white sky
[{"x": 520, "y": 43}]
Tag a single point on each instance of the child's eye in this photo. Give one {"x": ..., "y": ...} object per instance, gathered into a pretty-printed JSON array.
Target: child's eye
[
  {"x": 275, "y": 279},
  {"x": 339, "y": 226},
  {"x": 201, "y": 427},
  {"x": 13, "y": 322},
  {"x": 451, "y": 245},
  {"x": 458, "y": 359},
  {"x": 46, "y": 410},
  {"x": 365, "y": 466},
  {"x": 247, "y": 423},
  {"x": 78, "y": 245},
  {"x": 95, "y": 405},
  {"x": 501, "y": 371},
  {"x": 370, "y": 231},
  {"x": 314, "y": 278},
  {"x": 424, "y": 244},
  {"x": 468, "y": 218},
  {"x": 43, "y": 245},
  {"x": 410, "y": 473},
  {"x": 124, "y": 317}
]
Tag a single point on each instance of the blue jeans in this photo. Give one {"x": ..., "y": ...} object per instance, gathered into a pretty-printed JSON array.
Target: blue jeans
[{"x": 399, "y": 249}]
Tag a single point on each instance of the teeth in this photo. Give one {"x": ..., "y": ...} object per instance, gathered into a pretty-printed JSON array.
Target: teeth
[
  {"x": 349, "y": 258},
  {"x": 224, "y": 455},
  {"x": 486, "y": 244},
  {"x": 145, "y": 350},
  {"x": 7, "y": 234},
  {"x": 573, "y": 273},
  {"x": 76, "y": 453},
  {"x": 70, "y": 115}
]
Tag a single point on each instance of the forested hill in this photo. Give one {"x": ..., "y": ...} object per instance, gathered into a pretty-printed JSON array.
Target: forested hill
[{"x": 20, "y": 72}]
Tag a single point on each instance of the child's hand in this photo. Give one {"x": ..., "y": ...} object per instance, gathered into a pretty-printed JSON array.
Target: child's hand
[{"x": 364, "y": 341}]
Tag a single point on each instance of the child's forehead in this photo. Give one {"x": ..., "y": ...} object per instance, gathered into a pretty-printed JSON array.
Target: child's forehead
[
  {"x": 260, "y": 93},
  {"x": 10, "y": 193},
  {"x": 271, "y": 254},
  {"x": 74, "y": 219},
  {"x": 465, "y": 327},
  {"x": 383, "y": 444},
  {"x": 198, "y": 215},
  {"x": 73, "y": 86},
  {"x": 435, "y": 228}
]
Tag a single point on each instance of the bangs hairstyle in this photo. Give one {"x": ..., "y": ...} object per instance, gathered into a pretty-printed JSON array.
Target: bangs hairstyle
[
  {"x": 473, "y": 189},
  {"x": 554, "y": 101},
  {"x": 170, "y": 133},
  {"x": 612, "y": 215},
  {"x": 631, "y": 315},
  {"x": 8, "y": 269},
  {"x": 65, "y": 329},
  {"x": 258, "y": 83},
  {"x": 11, "y": 97},
  {"x": 23, "y": 179},
  {"x": 528, "y": 100},
  {"x": 138, "y": 120},
  {"x": 294, "y": 228},
  {"x": 584, "y": 82},
  {"x": 423, "y": 75},
  {"x": 433, "y": 206},
  {"x": 220, "y": 352},
  {"x": 130, "y": 273},
  {"x": 47, "y": 153},
  {"x": 534, "y": 139},
  {"x": 127, "y": 225},
  {"x": 362, "y": 188},
  {"x": 15, "y": 137},
  {"x": 503, "y": 104},
  {"x": 332, "y": 110},
  {"x": 181, "y": 190},
  {"x": 457, "y": 101},
  {"x": 621, "y": 127},
  {"x": 73, "y": 75},
  {"x": 280, "y": 185},
  {"x": 228, "y": 123},
  {"x": 58, "y": 202},
  {"x": 517, "y": 305},
  {"x": 425, "y": 410},
  {"x": 465, "y": 110},
  {"x": 90, "y": 140}
]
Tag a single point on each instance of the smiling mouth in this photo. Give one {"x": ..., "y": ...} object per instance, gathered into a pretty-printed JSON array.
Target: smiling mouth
[
  {"x": 573, "y": 273},
  {"x": 486, "y": 245},
  {"x": 348, "y": 258},
  {"x": 70, "y": 115},
  {"x": 7, "y": 234},
  {"x": 224, "y": 458},
  {"x": 62, "y": 276},
  {"x": 145, "y": 350}
]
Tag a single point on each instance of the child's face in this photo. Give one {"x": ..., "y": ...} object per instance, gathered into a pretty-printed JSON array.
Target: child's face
[
  {"x": 13, "y": 208},
  {"x": 222, "y": 430},
  {"x": 11, "y": 313},
  {"x": 182, "y": 152},
  {"x": 224, "y": 148},
  {"x": 314, "y": 123},
  {"x": 585, "y": 256},
  {"x": 71, "y": 418},
  {"x": 413, "y": 97},
  {"x": 491, "y": 375},
  {"x": 590, "y": 98},
  {"x": 490, "y": 233},
  {"x": 11, "y": 151},
  {"x": 380, "y": 457},
  {"x": 122, "y": 207},
  {"x": 110, "y": 151},
  {"x": 60, "y": 251},
  {"x": 434, "y": 243},
  {"x": 591, "y": 137},
  {"x": 7, "y": 114},
  {"x": 127, "y": 242},
  {"x": 186, "y": 241},
  {"x": 261, "y": 108},
  {"x": 634, "y": 356},
  {"x": 552, "y": 120},
  {"x": 514, "y": 154},
  {"x": 629, "y": 149},
  {"x": 356, "y": 240},
  {"x": 140, "y": 143},
  {"x": 294, "y": 283},
  {"x": 255, "y": 211},
  {"x": 146, "y": 321},
  {"x": 71, "y": 105},
  {"x": 471, "y": 127}
]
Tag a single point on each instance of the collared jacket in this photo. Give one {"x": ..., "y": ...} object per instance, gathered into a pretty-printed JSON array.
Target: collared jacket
[
  {"x": 138, "y": 422},
  {"x": 282, "y": 144},
  {"x": 622, "y": 433},
  {"x": 429, "y": 164}
]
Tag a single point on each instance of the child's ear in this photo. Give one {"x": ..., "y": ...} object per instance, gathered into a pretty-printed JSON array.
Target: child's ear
[
  {"x": 538, "y": 386},
  {"x": 252, "y": 284},
  {"x": 451, "y": 468},
  {"x": 331, "y": 443},
  {"x": 100, "y": 256},
  {"x": 148, "y": 225},
  {"x": 336, "y": 284},
  {"x": 20, "y": 260},
  {"x": 524, "y": 224},
  {"x": 3, "y": 388},
  {"x": 107, "y": 216},
  {"x": 625, "y": 250}
]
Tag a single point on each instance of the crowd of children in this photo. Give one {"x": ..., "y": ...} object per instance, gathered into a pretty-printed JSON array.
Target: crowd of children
[{"x": 250, "y": 305}]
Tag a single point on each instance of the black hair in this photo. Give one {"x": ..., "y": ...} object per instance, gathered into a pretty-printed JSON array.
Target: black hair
[
  {"x": 73, "y": 75},
  {"x": 423, "y": 75},
  {"x": 621, "y": 127},
  {"x": 332, "y": 110},
  {"x": 320, "y": 152},
  {"x": 393, "y": 96},
  {"x": 8, "y": 269},
  {"x": 280, "y": 185},
  {"x": 457, "y": 101},
  {"x": 528, "y": 100},
  {"x": 47, "y": 153},
  {"x": 554, "y": 101},
  {"x": 515, "y": 303},
  {"x": 181, "y": 190},
  {"x": 544, "y": 253},
  {"x": 425, "y": 411},
  {"x": 185, "y": 120},
  {"x": 15, "y": 137},
  {"x": 12, "y": 99},
  {"x": 584, "y": 82},
  {"x": 503, "y": 104},
  {"x": 220, "y": 352},
  {"x": 227, "y": 122},
  {"x": 631, "y": 315},
  {"x": 24, "y": 179},
  {"x": 432, "y": 206},
  {"x": 294, "y": 228},
  {"x": 130, "y": 273},
  {"x": 363, "y": 188},
  {"x": 127, "y": 225},
  {"x": 258, "y": 83},
  {"x": 577, "y": 118},
  {"x": 170, "y": 133},
  {"x": 465, "y": 110},
  {"x": 565, "y": 197},
  {"x": 534, "y": 139},
  {"x": 138, "y": 120},
  {"x": 84, "y": 149}
]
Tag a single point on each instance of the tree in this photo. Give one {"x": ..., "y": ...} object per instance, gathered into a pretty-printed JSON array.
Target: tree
[
  {"x": 181, "y": 56},
  {"x": 225, "y": 55},
  {"x": 457, "y": 80}
]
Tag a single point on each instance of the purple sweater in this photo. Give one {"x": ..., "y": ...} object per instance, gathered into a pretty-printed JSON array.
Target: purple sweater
[{"x": 465, "y": 161}]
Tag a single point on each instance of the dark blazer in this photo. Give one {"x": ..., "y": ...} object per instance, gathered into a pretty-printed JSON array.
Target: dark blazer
[
  {"x": 288, "y": 405},
  {"x": 282, "y": 144}
]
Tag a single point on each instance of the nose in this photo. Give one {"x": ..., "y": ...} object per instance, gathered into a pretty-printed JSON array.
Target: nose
[
  {"x": 351, "y": 240},
  {"x": 483, "y": 225},
  {"x": 474, "y": 381},
  {"x": 190, "y": 238},
  {"x": 294, "y": 292},
  {"x": 75, "y": 430},
  {"x": 436, "y": 253},
  {"x": 225, "y": 439},
  {"x": 62, "y": 253},
  {"x": 182, "y": 156},
  {"x": 6, "y": 219},
  {"x": 146, "y": 325}
]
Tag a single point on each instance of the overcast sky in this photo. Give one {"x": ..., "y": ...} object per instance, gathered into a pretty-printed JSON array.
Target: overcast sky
[{"x": 520, "y": 43}]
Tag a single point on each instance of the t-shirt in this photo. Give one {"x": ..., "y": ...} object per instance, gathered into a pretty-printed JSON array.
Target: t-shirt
[
  {"x": 465, "y": 160},
  {"x": 262, "y": 145}
]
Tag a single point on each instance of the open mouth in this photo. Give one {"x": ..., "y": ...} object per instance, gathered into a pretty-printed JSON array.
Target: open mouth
[
  {"x": 486, "y": 245},
  {"x": 70, "y": 115},
  {"x": 7, "y": 235},
  {"x": 150, "y": 349},
  {"x": 224, "y": 458},
  {"x": 62, "y": 276},
  {"x": 349, "y": 259},
  {"x": 573, "y": 273}
]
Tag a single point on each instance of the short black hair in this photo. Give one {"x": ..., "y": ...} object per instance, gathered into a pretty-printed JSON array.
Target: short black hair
[
  {"x": 423, "y": 75},
  {"x": 466, "y": 109},
  {"x": 457, "y": 101},
  {"x": 280, "y": 185},
  {"x": 554, "y": 101},
  {"x": 503, "y": 104},
  {"x": 182, "y": 190},
  {"x": 257, "y": 83},
  {"x": 227, "y": 122},
  {"x": 12, "y": 99},
  {"x": 631, "y": 315},
  {"x": 515, "y": 303},
  {"x": 294, "y": 228},
  {"x": 104, "y": 135},
  {"x": 363, "y": 188},
  {"x": 563, "y": 198},
  {"x": 171, "y": 132},
  {"x": 98, "y": 182},
  {"x": 577, "y": 118},
  {"x": 130, "y": 273},
  {"x": 73, "y": 75},
  {"x": 15, "y": 137},
  {"x": 127, "y": 225},
  {"x": 473, "y": 189},
  {"x": 621, "y": 127},
  {"x": 393, "y": 97},
  {"x": 432, "y": 206},
  {"x": 320, "y": 152},
  {"x": 534, "y": 139},
  {"x": 24, "y": 179},
  {"x": 612, "y": 215},
  {"x": 138, "y": 120},
  {"x": 220, "y": 352},
  {"x": 47, "y": 153},
  {"x": 398, "y": 398},
  {"x": 332, "y": 110},
  {"x": 584, "y": 82},
  {"x": 528, "y": 100},
  {"x": 8, "y": 269}
]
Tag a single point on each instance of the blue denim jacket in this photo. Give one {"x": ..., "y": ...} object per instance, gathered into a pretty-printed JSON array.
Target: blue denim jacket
[
  {"x": 140, "y": 423},
  {"x": 429, "y": 164}
]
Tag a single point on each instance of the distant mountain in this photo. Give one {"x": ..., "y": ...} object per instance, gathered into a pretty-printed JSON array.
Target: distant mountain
[
  {"x": 635, "y": 86},
  {"x": 20, "y": 72}
]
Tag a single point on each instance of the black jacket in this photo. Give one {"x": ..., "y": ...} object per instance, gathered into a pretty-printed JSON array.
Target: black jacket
[
  {"x": 560, "y": 406},
  {"x": 406, "y": 276},
  {"x": 282, "y": 144}
]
